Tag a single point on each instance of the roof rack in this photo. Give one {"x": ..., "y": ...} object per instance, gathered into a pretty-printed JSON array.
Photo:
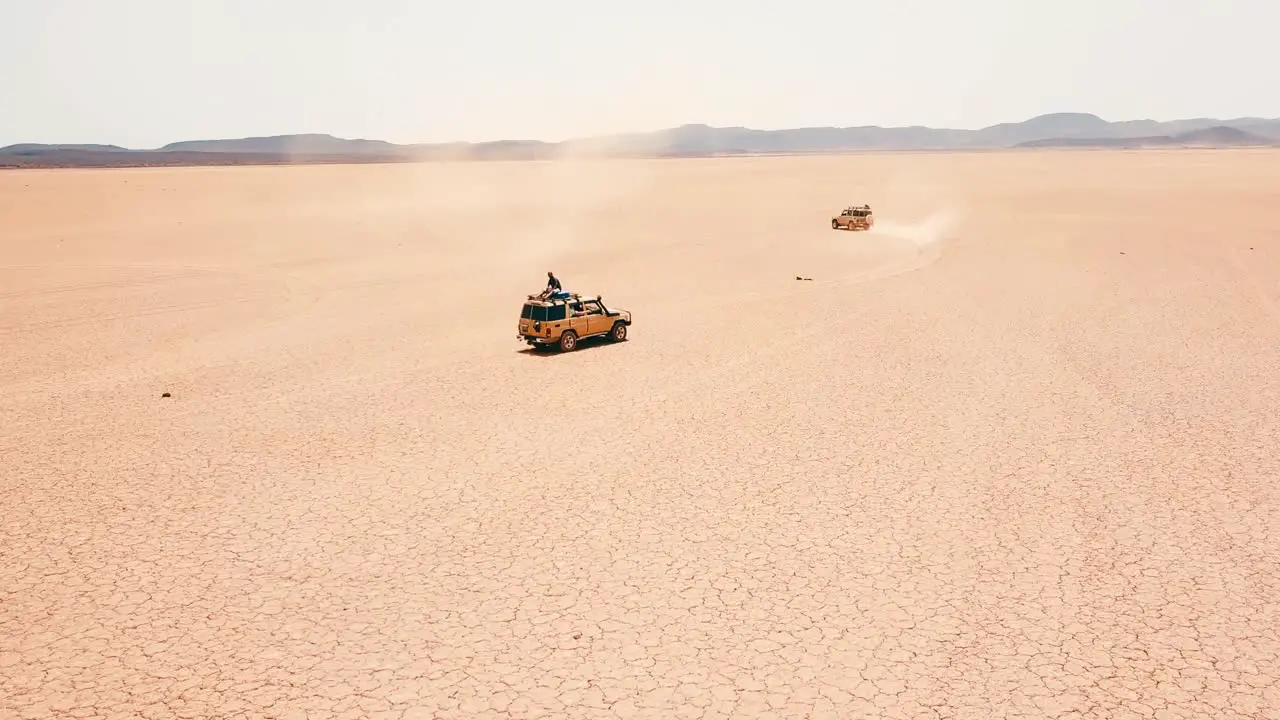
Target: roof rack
[{"x": 572, "y": 297}]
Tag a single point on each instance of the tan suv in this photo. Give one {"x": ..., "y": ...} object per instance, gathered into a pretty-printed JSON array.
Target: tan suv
[
  {"x": 854, "y": 218},
  {"x": 563, "y": 321}
]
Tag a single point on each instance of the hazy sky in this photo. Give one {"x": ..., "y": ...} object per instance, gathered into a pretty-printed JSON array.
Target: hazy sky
[{"x": 142, "y": 73}]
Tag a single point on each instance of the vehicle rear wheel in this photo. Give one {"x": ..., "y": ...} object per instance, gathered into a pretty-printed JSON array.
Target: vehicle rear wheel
[
  {"x": 568, "y": 341},
  {"x": 618, "y": 333}
]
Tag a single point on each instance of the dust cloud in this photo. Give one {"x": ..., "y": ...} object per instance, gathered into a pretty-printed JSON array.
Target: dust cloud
[
  {"x": 587, "y": 185},
  {"x": 928, "y": 233},
  {"x": 918, "y": 209},
  {"x": 580, "y": 189},
  {"x": 915, "y": 220}
]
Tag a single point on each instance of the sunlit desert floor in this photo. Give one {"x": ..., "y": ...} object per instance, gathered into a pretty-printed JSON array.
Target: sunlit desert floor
[{"x": 1015, "y": 453}]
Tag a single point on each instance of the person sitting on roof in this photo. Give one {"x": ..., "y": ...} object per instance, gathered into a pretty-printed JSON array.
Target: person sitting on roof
[{"x": 553, "y": 285}]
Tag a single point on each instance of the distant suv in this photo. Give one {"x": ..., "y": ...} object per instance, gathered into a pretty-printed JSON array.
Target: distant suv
[
  {"x": 854, "y": 218},
  {"x": 565, "y": 319}
]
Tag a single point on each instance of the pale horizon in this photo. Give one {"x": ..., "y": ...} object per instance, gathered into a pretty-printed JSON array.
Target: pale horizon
[
  {"x": 147, "y": 73},
  {"x": 646, "y": 130}
]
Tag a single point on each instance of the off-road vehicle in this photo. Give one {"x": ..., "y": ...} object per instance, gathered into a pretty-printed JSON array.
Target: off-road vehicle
[
  {"x": 854, "y": 218},
  {"x": 564, "y": 319}
]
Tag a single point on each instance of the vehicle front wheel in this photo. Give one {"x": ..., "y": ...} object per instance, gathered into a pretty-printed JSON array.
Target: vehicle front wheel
[
  {"x": 835, "y": 225},
  {"x": 568, "y": 341},
  {"x": 618, "y": 333}
]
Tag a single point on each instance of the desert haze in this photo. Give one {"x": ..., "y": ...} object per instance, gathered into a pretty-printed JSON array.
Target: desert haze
[
  {"x": 1054, "y": 130},
  {"x": 1012, "y": 454}
]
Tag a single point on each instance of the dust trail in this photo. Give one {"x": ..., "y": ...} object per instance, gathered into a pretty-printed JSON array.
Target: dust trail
[
  {"x": 927, "y": 234},
  {"x": 893, "y": 246},
  {"x": 920, "y": 210},
  {"x": 914, "y": 212},
  {"x": 901, "y": 238}
]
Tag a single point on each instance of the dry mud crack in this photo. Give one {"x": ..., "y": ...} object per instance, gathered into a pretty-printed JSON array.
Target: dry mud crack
[{"x": 1013, "y": 474}]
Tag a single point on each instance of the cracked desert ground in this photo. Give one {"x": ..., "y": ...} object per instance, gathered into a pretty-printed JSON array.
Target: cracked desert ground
[{"x": 1014, "y": 454}]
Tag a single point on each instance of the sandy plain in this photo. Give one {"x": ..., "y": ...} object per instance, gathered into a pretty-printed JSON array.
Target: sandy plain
[{"x": 1012, "y": 455}]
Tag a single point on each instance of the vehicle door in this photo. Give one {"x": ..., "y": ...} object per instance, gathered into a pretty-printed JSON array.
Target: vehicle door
[
  {"x": 597, "y": 322},
  {"x": 526, "y": 319},
  {"x": 578, "y": 320}
]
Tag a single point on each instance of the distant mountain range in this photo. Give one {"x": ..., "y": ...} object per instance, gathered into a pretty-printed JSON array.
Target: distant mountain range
[{"x": 1058, "y": 130}]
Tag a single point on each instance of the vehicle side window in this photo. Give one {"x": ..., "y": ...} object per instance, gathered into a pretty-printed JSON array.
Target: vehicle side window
[
  {"x": 555, "y": 312},
  {"x": 593, "y": 308}
]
